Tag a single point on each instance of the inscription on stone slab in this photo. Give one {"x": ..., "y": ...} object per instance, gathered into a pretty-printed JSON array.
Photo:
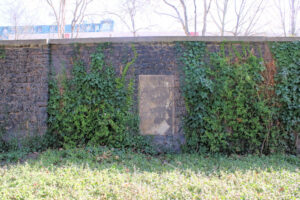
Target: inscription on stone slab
[{"x": 156, "y": 104}]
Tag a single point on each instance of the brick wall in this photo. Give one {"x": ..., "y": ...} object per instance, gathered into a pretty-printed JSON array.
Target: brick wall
[
  {"x": 25, "y": 67},
  {"x": 24, "y": 89},
  {"x": 155, "y": 58}
]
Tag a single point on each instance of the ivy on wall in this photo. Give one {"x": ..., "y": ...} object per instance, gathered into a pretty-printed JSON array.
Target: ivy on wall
[
  {"x": 2, "y": 53},
  {"x": 231, "y": 107},
  {"x": 197, "y": 89},
  {"x": 94, "y": 107},
  {"x": 287, "y": 57},
  {"x": 227, "y": 109}
]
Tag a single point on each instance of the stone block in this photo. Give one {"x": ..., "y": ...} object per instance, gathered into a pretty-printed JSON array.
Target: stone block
[{"x": 156, "y": 104}]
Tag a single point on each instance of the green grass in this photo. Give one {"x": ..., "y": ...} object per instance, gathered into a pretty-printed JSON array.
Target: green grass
[{"x": 100, "y": 173}]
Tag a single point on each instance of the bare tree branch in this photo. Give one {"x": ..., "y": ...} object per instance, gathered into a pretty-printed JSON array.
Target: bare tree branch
[
  {"x": 59, "y": 16},
  {"x": 167, "y": 14},
  {"x": 253, "y": 20},
  {"x": 247, "y": 16},
  {"x": 78, "y": 15},
  {"x": 195, "y": 16},
  {"x": 222, "y": 13},
  {"x": 239, "y": 15},
  {"x": 288, "y": 16},
  {"x": 183, "y": 20},
  {"x": 16, "y": 14},
  {"x": 128, "y": 12},
  {"x": 122, "y": 20},
  {"x": 282, "y": 10},
  {"x": 185, "y": 16},
  {"x": 205, "y": 14},
  {"x": 294, "y": 9}
]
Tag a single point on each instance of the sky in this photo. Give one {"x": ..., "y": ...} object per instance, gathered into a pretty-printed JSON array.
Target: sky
[{"x": 148, "y": 18}]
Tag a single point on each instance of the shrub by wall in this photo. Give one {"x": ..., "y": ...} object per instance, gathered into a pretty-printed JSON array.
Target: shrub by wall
[
  {"x": 236, "y": 99},
  {"x": 94, "y": 106},
  {"x": 230, "y": 108},
  {"x": 287, "y": 56}
]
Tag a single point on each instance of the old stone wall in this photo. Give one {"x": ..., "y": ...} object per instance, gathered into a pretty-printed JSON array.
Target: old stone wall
[
  {"x": 154, "y": 58},
  {"x": 24, "y": 89},
  {"x": 24, "y": 70}
]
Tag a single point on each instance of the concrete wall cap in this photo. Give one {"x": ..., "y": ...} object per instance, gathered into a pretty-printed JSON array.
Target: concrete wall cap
[
  {"x": 172, "y": 39},
  {"x": 23, "y": 42},
  {"x": 147, "y": 39}
]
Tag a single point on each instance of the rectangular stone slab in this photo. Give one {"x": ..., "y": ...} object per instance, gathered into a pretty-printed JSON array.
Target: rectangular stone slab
[{"x": 156, "y": 104}]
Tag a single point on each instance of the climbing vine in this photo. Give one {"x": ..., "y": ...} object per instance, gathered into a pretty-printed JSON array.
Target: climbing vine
[
  {"x": 94, "y": 107},
  {"x": 287, "y": 57},
  {"x": 226, "y": 102},
  {"x": 2, "y": 53},
  {"x": 197, "y": 89}
]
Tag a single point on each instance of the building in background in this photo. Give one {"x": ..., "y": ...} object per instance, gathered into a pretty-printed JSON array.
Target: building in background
[{"x": 102, "y": 29}]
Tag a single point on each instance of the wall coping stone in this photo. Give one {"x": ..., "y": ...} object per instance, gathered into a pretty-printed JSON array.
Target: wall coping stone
[
  {"x": 148, "y": 39},
  {"x": 23, "y": 42},
  {"x": 172, "y": 39}
]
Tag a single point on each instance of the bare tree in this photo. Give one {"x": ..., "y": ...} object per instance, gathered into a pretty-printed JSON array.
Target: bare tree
[
  {"x": 288, "y": 16},
  {"x": 207, "y": 5},
  {"x": 294, "y": 7},
  {"x": 247, "y": 16},
  {"x": 60, "y": 16},
  {"x": 282, "y": 11},
  {"x": 195, "y": 16},
  {"x": 181, "y": 15},
  {"x": 222, "y": 8},
  {"x": 16, "y": 15},
  {"x": 131, "y": 7},
  {"x": 255, "y": 17},
  {"x": 240, "y": 15},
  {"x": 128, "y": 13},
  {"x": 78, "y": 15}
]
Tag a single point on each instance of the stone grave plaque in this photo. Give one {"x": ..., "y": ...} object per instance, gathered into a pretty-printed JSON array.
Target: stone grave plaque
[{"x": 156, "y": 104}]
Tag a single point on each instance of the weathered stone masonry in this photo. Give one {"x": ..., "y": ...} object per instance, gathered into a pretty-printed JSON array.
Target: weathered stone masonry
[
  {"x": 24, "y": 70},
  {"x": 154, "y": 58},
  {"x": 24, "y": 89}
]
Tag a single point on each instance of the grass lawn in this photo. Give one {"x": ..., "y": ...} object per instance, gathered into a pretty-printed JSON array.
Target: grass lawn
[{"x": 100, "y": 173}]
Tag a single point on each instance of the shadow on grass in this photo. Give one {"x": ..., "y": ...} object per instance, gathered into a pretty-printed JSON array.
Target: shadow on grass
[{"x": 130, "y": 162}]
